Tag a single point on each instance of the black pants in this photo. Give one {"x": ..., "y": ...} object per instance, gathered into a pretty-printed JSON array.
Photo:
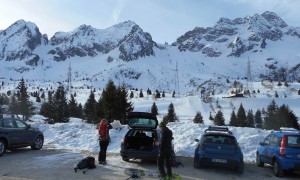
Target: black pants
[
  {"x": 164, "y": 160},
  {"x": 102, "y": 152}
]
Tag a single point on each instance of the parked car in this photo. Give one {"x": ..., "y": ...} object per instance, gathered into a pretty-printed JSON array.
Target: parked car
[
  {"x": 143, "y": 137},
  {"x": 218, "y": 147},
  {"x": 280, "y": 149},
  {"x": 15, "y": 133}
]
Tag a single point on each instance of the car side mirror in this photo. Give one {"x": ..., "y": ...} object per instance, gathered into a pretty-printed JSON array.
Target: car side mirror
[
  {"x": 261, "y": 143},
  {"x": 28, "y": 126},
  {"x": 197, "y": 140}
]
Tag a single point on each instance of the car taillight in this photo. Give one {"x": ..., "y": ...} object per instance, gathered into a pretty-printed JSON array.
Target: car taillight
[
  {"x": 123, "y": 141},
  {"x": 156, "y": 143},
  {"x": 283, "y": 146}
]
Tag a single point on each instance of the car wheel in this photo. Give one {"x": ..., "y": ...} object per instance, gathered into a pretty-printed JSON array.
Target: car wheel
[
  {"x": 38, "y": 143},
  {"x": 2, "y": 147},
  {"x": 277, "y": 170},
  {"x": 125, "y": 159},
  {"x": 258, "y": 161},
  {"x": 240, "y": 168},
  {"x": 197, "y": 165}
]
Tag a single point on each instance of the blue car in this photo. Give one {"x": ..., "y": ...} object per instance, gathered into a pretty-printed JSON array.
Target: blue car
[
  {"x": 280, "y": 149},
  {"x": 218, "y": 147}
]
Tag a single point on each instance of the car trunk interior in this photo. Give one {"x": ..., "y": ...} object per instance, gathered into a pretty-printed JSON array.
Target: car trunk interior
[{"x": 140, "y": 140}]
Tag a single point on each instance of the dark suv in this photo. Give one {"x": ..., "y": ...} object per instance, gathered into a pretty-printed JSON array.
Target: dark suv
[
  {"x": 218, "y": 147},
  {"x": 15, "y": 133},
  {"x": 142, "y": 139},
  {"x": 281, "y": 149}
]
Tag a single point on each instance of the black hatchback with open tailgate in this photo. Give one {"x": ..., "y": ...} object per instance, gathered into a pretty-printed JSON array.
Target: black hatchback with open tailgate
[{"x": 143, "y": 137}]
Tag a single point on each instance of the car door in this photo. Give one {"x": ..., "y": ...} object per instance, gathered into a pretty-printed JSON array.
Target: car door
[
  {"x": 265, "y": 149},
  {"x": 16, "y": 131},
  {"x": 9, "y": 130},
  {"x": 25, "y": 134},
  {"x": 272, "y": 149}
]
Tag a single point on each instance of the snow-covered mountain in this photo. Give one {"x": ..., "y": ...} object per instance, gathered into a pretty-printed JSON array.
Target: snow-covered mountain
[
  {"x": 201, "y": 58},
  {"x": 237, "y": 36}
]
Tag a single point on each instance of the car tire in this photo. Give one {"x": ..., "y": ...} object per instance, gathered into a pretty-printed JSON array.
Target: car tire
[
  {"x": 277, "y": 169},
  {"x": 38, "y": 143},
  {"x": 2, "y": 147},
  {"x": 125, "y": 159},
  {"x": 197, "y": 165},
  {"x": 240, "y": 168},
  {"x": 258, "y": 161}
]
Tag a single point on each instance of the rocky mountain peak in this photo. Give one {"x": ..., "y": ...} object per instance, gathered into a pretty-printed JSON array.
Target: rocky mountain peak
[
  {"x": 19, "y": 40},
  {"x": 251, "y": 31},
  {"x": 274, "y": 19}
]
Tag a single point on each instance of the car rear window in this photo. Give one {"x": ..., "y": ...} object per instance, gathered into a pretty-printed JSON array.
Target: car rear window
[
  {"x": 293, "y": 141},
  {"x": 219, "y": 139}
]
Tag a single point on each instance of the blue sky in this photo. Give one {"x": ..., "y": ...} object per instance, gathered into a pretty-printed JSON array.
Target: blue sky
[{"x": 165, "y": 20}]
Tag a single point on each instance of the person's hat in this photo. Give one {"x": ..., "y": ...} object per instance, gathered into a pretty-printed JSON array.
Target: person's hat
[{"x": 162, "y": 124}]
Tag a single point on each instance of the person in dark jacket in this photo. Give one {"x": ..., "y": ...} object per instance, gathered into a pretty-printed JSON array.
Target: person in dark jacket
[
  {"x": 104, "y": 139},
  {"x": 165, "y": 152}
]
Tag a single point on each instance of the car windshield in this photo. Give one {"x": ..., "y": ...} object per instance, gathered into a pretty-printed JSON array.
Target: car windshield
[
  {"x": 293, "y": 141},
  {"x": 219, "y": 139}
]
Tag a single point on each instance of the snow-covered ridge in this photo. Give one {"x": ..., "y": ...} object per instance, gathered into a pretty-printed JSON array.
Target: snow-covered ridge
[
  {"x": 253, "y": 32},
  {"x": 203, "y": 57}
]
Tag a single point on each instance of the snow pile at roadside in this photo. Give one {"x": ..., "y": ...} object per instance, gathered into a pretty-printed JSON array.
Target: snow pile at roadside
[{"x": 79, "y": 136}]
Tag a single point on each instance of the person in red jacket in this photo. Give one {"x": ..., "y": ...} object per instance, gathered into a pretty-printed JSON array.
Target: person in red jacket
[{"x": 104, "y": 139}]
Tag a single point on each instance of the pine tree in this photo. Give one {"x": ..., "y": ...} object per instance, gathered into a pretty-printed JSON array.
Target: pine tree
[
  {"x": 149, "y": 92},
  {"x": 154, "y": 109},
  {"x": 233, "y": 119},
  {"x": 125, "y": 105},
  {"x": 241, "y": 116},
  {"x": 173, "y": 94},
  {"x": 43, "y": 96},
  {"x": 141, "y": 94},
  {"x": 250, "y": 119},
  {"x": 25, "y": 106},
  {"x": 198, "y": 118},
  {"x": 47, "y": 109},
  {"x": 109, "y": 101},
  {"x": 271, "y": 116},
  {"x": 157, "y": 94},
  {"x": 276, "y": 94},
  {"x": 171, "y": 116},
  {"x": 258, "y": 119},
  {"x": 13, "y": 105},
  {"x": 114, "y": 102},
  {"x": 131, "y": 94},
  {"x": 219, "y": 119},
  {"x": 286, "y": 118},
  {"x": 60, "y": 106},
  {"x": 38, "y": 99},
  {"x": 90, "y": 108},
  {"x": 73, "y": 108}
]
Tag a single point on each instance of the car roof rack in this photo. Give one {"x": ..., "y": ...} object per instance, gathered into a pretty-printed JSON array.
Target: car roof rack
[
  {"x": 286, "y": 129},
  {"x": 218, "y": 129}
]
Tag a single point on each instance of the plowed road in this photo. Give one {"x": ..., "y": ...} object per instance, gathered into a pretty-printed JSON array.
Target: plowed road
[{"x": 48, "y": 164}]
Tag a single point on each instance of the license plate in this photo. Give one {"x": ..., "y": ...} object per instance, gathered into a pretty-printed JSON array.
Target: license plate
[{"x": 219, "y": 160}]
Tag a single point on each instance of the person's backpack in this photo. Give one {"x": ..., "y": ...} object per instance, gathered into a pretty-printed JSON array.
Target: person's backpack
[
  {"x": 85, "y": 163},
  {"x": 103, "y": 132}
]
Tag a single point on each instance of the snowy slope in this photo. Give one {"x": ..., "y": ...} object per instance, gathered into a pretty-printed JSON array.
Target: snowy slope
[{"x": 204, "y": 58}]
